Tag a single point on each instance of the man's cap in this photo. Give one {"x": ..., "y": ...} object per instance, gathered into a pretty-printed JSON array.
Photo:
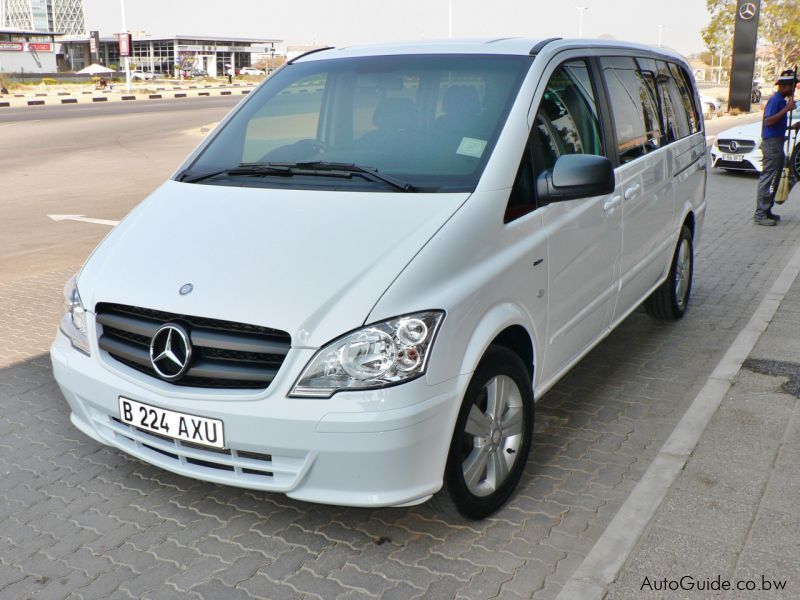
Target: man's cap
[{"x": 787, "y": 76}]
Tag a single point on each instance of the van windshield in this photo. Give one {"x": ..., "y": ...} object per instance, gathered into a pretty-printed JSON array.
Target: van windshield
[{"x": 425, "y": 122}]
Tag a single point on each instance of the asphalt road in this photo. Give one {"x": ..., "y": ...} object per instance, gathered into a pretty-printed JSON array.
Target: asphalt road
[
  {"x": 66, "y": 111},
  {"x": 98, "y": 161}
]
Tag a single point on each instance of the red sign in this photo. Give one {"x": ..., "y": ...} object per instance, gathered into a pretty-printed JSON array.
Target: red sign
[
  {"x": 40, "y": 47},
  {"x": 11, "y": 46},
  {"x": 124, "y": 44}
]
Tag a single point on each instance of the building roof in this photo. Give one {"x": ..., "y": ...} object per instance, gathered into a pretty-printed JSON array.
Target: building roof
[
  {"x": 28, "y": 32},
  {"x": 202, "y": 38}
]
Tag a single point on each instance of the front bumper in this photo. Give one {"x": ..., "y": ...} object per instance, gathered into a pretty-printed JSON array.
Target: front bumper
[
  {"x": 369, "y": 448},
  {"x": 751, "y": 162}
]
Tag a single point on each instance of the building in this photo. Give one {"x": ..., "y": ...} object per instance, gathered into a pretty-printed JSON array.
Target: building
[
  {"x": 64, "y": 16},
  {"x": 27, "y": 51},
  {"x": 168, "y": 55}
]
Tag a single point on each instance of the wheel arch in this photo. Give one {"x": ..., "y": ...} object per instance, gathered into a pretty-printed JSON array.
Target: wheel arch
[{"x": 506, "y": 325}]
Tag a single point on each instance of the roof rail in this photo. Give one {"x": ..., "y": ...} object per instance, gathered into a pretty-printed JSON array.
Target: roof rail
[
  {"x": 538, "y": 47},
  {"x": 304, "y": 54}
]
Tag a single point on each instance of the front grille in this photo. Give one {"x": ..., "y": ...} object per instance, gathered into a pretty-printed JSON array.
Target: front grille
[
  {"x": 741, "y": 146},
  {"x": 225, "y": 354}
]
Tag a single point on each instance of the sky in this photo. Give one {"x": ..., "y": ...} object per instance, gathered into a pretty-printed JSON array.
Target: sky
[{"x": 347, "y": 22}]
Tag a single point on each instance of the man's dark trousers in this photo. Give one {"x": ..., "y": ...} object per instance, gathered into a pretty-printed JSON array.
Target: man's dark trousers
[{"x": 774, "y": 159}]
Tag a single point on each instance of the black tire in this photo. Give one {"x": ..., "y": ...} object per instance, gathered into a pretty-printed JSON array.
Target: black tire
[
  {"x": 500, "y": 368},
  {"x": 794, "y": 162},
  {"x": 670, "y": 301}
]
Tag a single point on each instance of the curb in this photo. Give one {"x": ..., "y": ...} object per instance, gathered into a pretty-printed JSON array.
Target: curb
[
  {"x": 605, "y": 560},
  {"x": 61, "y": 98}
]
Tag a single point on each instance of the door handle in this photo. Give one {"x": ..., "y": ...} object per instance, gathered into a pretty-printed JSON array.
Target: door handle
[
  {"x": 612, "y": 204},
  {"x": 632, "y": 191}
]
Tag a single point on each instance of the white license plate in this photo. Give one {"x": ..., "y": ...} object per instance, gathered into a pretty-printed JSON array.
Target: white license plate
[
  {"x": 733, "y": 157},
  {"x": 179, "y": 426}
]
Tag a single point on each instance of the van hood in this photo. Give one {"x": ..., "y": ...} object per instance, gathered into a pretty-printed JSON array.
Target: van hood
[{"x": 310, "y": 263}]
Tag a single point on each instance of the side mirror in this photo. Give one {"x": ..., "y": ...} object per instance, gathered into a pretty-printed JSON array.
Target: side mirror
[{"x": 576, "y": 176}]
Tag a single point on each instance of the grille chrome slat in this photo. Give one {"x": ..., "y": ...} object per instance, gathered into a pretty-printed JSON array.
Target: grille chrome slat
[
  {"x": 125, "y": 350},
  {"x": 144, "y": 327},
  {"x": 214, "y": 369},
  {"x": 237, "y": 343},
  {"x": 225, "y": 354}
]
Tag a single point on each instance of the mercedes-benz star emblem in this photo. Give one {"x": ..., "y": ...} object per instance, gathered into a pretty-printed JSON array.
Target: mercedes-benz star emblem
[
  {"x": 186, "y": 288},
  {"x": 734, "y": 146},
  {"x": 747, "y": 11},
  {"x": 170, "y": 351}
]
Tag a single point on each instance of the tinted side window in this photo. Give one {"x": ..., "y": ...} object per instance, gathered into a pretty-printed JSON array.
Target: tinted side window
[
  {"x": 626, "y": 90},
  {"x": 658, "y": 135},
  {"x": 567, "y": 121},
  {"x": 687, "y": 96},
  {"x": 676, "y": 104}
]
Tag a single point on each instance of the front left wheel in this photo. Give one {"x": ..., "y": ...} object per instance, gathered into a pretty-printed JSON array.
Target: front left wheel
[{"x": 492, "y": 436}]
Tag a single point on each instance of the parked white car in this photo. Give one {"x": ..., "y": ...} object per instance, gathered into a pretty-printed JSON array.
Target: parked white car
[
  {"x": 142, "y": 75},
  {"x": 739, "y": 149},
  {"x": 353, "y": 291},
  {"x": 710, "y": 104},
  {"x": 250, "y": 71}
]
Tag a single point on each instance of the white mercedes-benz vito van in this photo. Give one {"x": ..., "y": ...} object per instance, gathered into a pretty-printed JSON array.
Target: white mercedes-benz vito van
[{"x": 353, "y": 291}]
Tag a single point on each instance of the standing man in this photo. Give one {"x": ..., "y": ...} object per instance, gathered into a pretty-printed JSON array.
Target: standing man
[{"x": 773, "y": 138}]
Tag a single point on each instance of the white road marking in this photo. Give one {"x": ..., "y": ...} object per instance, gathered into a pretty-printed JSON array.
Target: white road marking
[
  {"x": 605, "y": 560},
  {"x": 84, "y": 219}
]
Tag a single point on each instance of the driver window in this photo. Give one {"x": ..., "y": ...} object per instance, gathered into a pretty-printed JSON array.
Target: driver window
[{"x": 567, "y": 121}]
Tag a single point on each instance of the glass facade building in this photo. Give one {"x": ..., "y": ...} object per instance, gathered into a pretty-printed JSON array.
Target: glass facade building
[
  {"x": 172, "y": 55},
  {"x": 62, "y": 16}
]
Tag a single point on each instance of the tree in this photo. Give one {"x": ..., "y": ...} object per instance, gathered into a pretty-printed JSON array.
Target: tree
[
  {"x": 718, "y": 34},
  {"x": 780, "y": 22},
  {"x": 778, "y": 27}
]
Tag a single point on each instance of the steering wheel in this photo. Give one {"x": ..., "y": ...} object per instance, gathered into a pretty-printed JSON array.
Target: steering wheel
[
  {"x": 320, "y": 146},
  {"x": 298, "y": 151}
]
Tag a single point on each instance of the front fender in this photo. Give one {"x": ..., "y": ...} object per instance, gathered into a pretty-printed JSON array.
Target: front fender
[{"x": 475, "y": 339}]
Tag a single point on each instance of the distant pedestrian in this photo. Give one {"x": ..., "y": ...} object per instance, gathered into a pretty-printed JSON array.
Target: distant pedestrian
[{"x": 773, "y": 137}]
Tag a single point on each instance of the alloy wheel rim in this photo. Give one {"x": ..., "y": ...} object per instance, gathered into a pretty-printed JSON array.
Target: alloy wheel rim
[
  {"x": 683, "y": 273},
  {"x": 493, "y": 436}
]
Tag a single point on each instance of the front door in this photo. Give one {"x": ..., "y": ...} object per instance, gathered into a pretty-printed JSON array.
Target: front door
[{"x": 585, "y": 235}]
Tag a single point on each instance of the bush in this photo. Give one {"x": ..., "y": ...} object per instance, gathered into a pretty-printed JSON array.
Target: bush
[{"x": 49, "y": 81}]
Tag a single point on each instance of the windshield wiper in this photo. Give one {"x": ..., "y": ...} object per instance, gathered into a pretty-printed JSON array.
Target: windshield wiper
[
  {"x": 370, "y": 173},
  {"x": 242, "y": 169},
  {"x": 309, "y": 168}
]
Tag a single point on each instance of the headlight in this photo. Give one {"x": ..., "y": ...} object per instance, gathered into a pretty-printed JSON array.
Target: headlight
[
  {"x": 379, "y": 355},
  {"x": 73, "y": 323}
]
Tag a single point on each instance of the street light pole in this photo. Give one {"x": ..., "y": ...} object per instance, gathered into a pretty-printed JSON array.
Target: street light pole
[
  {"x": 130, "y": 48},
  {"x": 450, "y": 19},
  {"x": 660, "y": 30},
  {"x": 581, "y": 10}
]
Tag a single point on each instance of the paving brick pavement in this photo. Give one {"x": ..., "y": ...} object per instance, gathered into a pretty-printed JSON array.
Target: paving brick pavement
[{"x": 79, "y": 520}]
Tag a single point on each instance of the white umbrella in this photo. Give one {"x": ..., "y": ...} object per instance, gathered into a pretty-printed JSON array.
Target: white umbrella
[{"x": 94, "y": 69}]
